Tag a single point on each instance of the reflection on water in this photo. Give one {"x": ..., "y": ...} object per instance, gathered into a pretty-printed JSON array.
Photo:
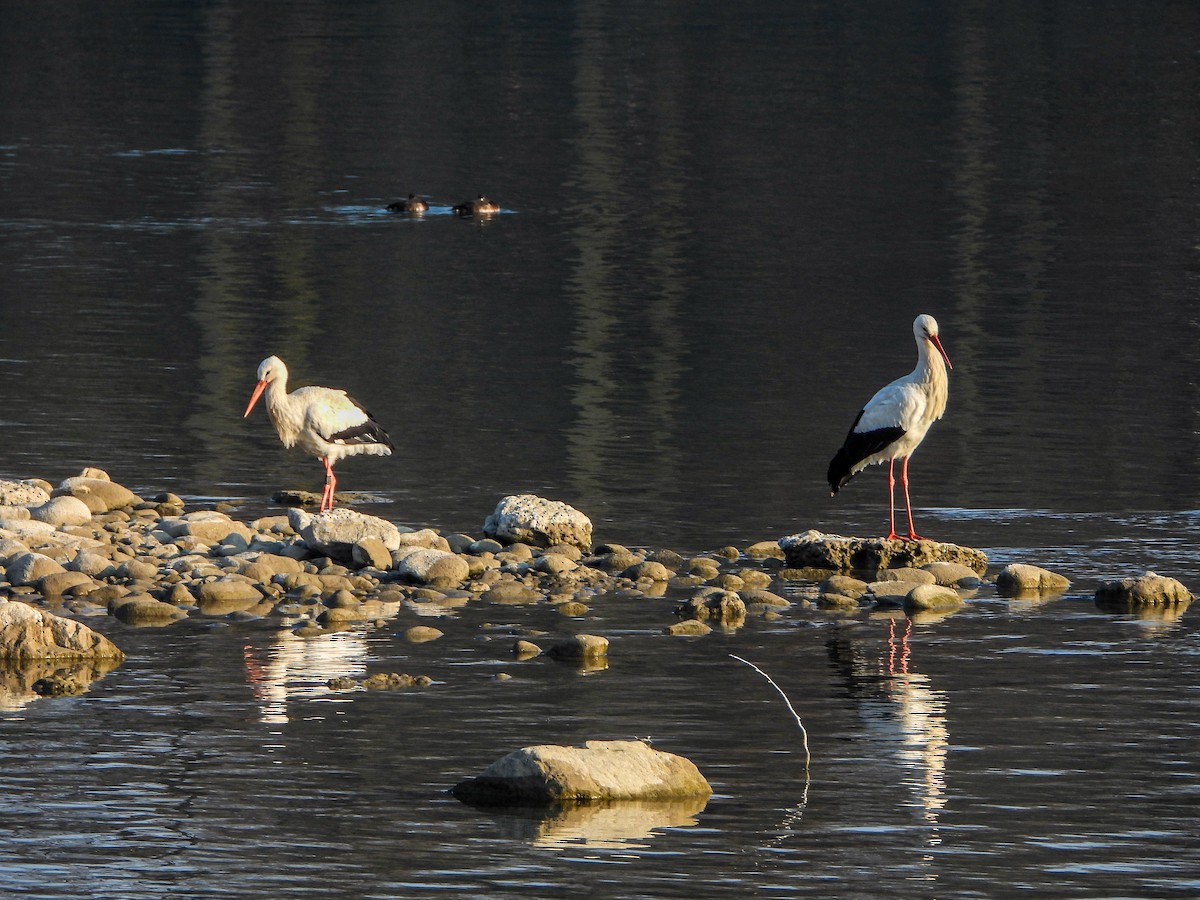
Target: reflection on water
[
  {"x": 903, "y": 714},
  {"x": 628, "y": 825},
  {"x": 19, "y": 682},
  {"x": 292, "y": 669}
]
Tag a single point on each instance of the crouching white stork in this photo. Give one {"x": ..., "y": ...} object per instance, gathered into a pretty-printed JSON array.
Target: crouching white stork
[
  {"x": 323, "y": 421},
  {"x": 895, "y": 420}
]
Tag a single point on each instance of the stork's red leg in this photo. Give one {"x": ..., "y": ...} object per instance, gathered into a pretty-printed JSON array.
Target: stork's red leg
[
  {"x": 912, "y": 532},
  {"x": 330, "y": 484},
  {"x": 891, "y": 502}
]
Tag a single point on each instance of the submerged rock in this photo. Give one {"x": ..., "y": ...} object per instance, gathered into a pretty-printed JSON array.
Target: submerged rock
[
  {"x": 813, "y": 549},
  {"x": 932, "y": 598},
  {"x": 579, "y": 647},
  {"x": 530, "y": 519},
  {"x": 598, "y": 771},
  {"x": 1018, "y": 578},
  {"x": 1148, "y": 590}
]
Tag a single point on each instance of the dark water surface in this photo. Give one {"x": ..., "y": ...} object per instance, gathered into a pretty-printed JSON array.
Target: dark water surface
[{"x": 720, "y": 221}]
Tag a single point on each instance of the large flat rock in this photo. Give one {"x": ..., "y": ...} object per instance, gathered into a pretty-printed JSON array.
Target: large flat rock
[
  {"x": 547, "y": 774},
  {"x": 815, "y": 550}
]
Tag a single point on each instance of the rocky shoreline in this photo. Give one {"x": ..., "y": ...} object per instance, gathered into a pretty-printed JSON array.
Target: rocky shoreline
[{"x": 90, "y": 547}]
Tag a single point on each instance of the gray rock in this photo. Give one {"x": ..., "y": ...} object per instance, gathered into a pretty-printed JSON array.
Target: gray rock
[
  {"x": 845, "y": 585},
  {"x": 688, "y": 627},
  {"x": 597, "y": 771},
  {"x": 371, "y": 552},
  {"x": 812, "y": 549},
  {"x": 420, "y": 634},
  {"x": 765, "y": 550},
  {"x": 226, "y": 595},
  {"x": 98, "y": 491},
  {"x": 953, "y": 574},
  {"x": 526, "y": 650},
  {"x": 1018, "y": 578},
  {"x": 555, "y": 564},
  {"x": 1145, "y": 591},
  {"x": 59, "y": 511},
  {"x": 655, "y": 571},
  {"x": 510, "y": 593},
  {"x": 534, "y": 520},
  {"x": 336, "y": 531},
  {"x": 716, "y": 604},
  {"x": 427, "y": 538},
  {"x": 54, "y": 585},
  {"x": 27, "y": 633},
  {"x": 142, "y": 610},
  {"x": 906, "y": 574},
  {"x": 763, "y": 597},
  {"x": 91, "y": 564},
  {"x": 579, "y": 647},
  {"x": 29, "y": 568},
  {"x": 425, "y": 565},
  {"x": 932, "y": 598}
]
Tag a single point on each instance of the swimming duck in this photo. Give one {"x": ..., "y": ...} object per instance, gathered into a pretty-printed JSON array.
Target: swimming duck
[
  {"x": 413, "y": 204},
  {"x": 480, "y": 206}
]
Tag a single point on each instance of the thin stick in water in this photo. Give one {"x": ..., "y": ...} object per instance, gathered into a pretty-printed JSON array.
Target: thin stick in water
[{"x": 771, "y": 681}]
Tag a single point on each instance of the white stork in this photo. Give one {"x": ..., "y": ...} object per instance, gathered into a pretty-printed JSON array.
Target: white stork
[
  {"x": 323, "y": 421},
  {"x": 894, "y": 421}
]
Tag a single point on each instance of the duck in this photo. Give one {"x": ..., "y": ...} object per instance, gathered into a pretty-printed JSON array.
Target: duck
[
  {"x": 480, "y": 206},
  {"x": 413, "y": 204}
]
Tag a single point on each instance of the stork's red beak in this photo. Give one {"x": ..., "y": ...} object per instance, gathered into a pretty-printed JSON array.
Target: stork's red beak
[
  {"x": 932, "y": 337},
  {"x": 262, "y": 386}
]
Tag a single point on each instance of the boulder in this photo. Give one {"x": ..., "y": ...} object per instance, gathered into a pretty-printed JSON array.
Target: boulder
[
  {"x": 420, "y": 634},
  {"x": 370, "y": 552},
  {"x": 54, "y": 585},
  {"x": 21, "y": 493},
  {"x": 953, "y": 574},
  {"x": 426, "y": 537},
  {"x": 336, "y": 531},
  {"x": 100, "y": 494},
  {"x": 530, "y": 519},
  {"x": 142, "y": 610},
  {"x": 579, "y": 647},
  {"x": 932, "y": 598},
  {"x": 654, "y": 571},
  {"x": 59, "y": 511},
  {"x": 812, "y": 549},
  {"x": 424, "y": 565},
  {"x": 716, "y": 604},
  {"x": 1145, "y": 591},
  {"x": 1018, "y": 578},
  {"x": 550, "y": 774},
  {"x": 223, "y": 596},
  {"x": 30, "y": 568},
  {"x": 27, "y": 633},
  {"x": 510, "y": 593}
]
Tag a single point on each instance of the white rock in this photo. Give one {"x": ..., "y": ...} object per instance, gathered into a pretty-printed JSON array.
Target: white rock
[
  {"x": 59, "y": 511},
  {"x": 424, "y": 564},
  {"x": 336, "y": 531},
  {"x": 20, "y": 493},
  {"x": 530, "y": 519}
]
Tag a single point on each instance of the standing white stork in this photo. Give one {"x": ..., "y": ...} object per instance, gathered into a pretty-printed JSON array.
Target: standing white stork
[
  {"x": 323, "y": 421},
  {"x": 895, "y": 420}
]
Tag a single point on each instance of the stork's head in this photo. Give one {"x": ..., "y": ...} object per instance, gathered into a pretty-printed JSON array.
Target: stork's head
[
  {"x": 925, "y": 329},
  {"x": 270, "y": 369}
]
